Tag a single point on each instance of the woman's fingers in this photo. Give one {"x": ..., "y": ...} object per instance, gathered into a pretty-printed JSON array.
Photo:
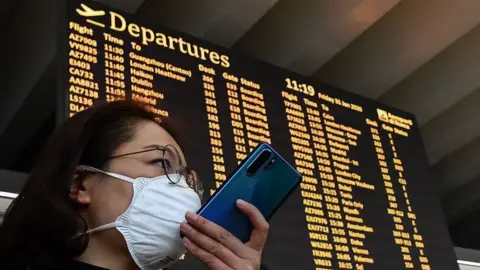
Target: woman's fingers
[
  {"x": 218, "y": 248},
  {"x": 217, "y": 233},
  {"x": 210, "y": 260},
  {"x": 260, "y": 225},
  {"x": 208, "y": 248}
]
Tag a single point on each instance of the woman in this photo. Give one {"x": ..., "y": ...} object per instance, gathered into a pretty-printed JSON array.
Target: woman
[{"x": 111, "y": 190}]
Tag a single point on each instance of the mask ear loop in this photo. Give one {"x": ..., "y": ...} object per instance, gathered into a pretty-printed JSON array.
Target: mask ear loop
[
  {"x": 115, "y": 175},
  {"x": 99, "y": 228}
]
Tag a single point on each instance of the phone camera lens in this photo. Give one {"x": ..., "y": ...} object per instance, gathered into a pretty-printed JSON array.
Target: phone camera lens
[
  {"x": 272, "y": 161},
  {"x": 270, "y": 164}
]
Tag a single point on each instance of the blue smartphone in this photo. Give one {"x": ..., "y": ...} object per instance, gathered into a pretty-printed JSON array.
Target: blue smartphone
[{"x": 263, "y": 179}]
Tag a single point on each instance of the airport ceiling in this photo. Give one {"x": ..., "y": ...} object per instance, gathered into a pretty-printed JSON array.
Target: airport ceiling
[{"x": 418, "y": 55}]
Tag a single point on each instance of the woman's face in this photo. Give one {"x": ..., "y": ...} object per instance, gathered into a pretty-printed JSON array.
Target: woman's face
[{"x": 109, "y": 197}]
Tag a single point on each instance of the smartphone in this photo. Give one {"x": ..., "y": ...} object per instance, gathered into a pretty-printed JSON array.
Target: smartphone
[{"x": 263, "y": 179}]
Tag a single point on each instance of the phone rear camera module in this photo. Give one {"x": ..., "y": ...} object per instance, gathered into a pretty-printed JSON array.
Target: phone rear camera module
[
  {"x": 263, "y": 158},
  {"x": 270, "y": 164}
]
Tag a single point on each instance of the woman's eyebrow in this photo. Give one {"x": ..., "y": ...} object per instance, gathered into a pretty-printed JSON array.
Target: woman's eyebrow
[{"x": 153, "y": 146}]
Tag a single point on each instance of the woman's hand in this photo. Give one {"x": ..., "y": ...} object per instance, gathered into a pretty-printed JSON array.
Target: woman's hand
[{"x": 219, "y": 249}]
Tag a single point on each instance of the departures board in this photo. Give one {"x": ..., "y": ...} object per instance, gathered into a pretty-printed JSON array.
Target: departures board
[{"x": 366, "y": 200}]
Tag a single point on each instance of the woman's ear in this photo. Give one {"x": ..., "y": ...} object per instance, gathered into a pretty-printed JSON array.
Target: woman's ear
[{"x": 78, "y": 192}]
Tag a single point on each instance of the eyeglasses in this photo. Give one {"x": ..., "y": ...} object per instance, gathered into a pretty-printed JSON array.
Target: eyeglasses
[{"x": 174, "y": 167}]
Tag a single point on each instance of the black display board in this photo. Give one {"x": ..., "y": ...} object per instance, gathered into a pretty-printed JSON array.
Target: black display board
[{"x": 366, "y": 201}]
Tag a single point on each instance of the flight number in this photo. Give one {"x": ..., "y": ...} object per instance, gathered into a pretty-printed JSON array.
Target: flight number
[
  {"x": 82, "y": 39},
  {"x": 81, "y": 100},
  {"x": 84, "y": 83},
  {"x": 83, "y": 91},
  {"x": 322, "y": 262},
  {"x": 83, "y": 48}
]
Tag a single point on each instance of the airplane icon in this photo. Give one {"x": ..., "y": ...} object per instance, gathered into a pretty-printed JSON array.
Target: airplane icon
[
  {"x": 382, "y": 115},
  {"x": 88, "y": 12}
]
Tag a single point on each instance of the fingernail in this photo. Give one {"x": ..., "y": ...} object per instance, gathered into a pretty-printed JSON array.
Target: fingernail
[
  {"x": 191, "y": 216},
  {"x": 241, "y": 203},
  {"x": 184, "y": 227}
]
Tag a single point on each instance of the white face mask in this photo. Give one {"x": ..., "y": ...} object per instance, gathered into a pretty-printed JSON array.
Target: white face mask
[{"x": 151, "y": 224}]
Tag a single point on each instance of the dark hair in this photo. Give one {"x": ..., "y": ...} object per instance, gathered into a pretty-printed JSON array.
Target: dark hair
[{"x": 40, "y": 225}]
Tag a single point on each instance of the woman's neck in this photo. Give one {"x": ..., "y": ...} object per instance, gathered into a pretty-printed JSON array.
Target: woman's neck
[{"x": 99, "y": 253}]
